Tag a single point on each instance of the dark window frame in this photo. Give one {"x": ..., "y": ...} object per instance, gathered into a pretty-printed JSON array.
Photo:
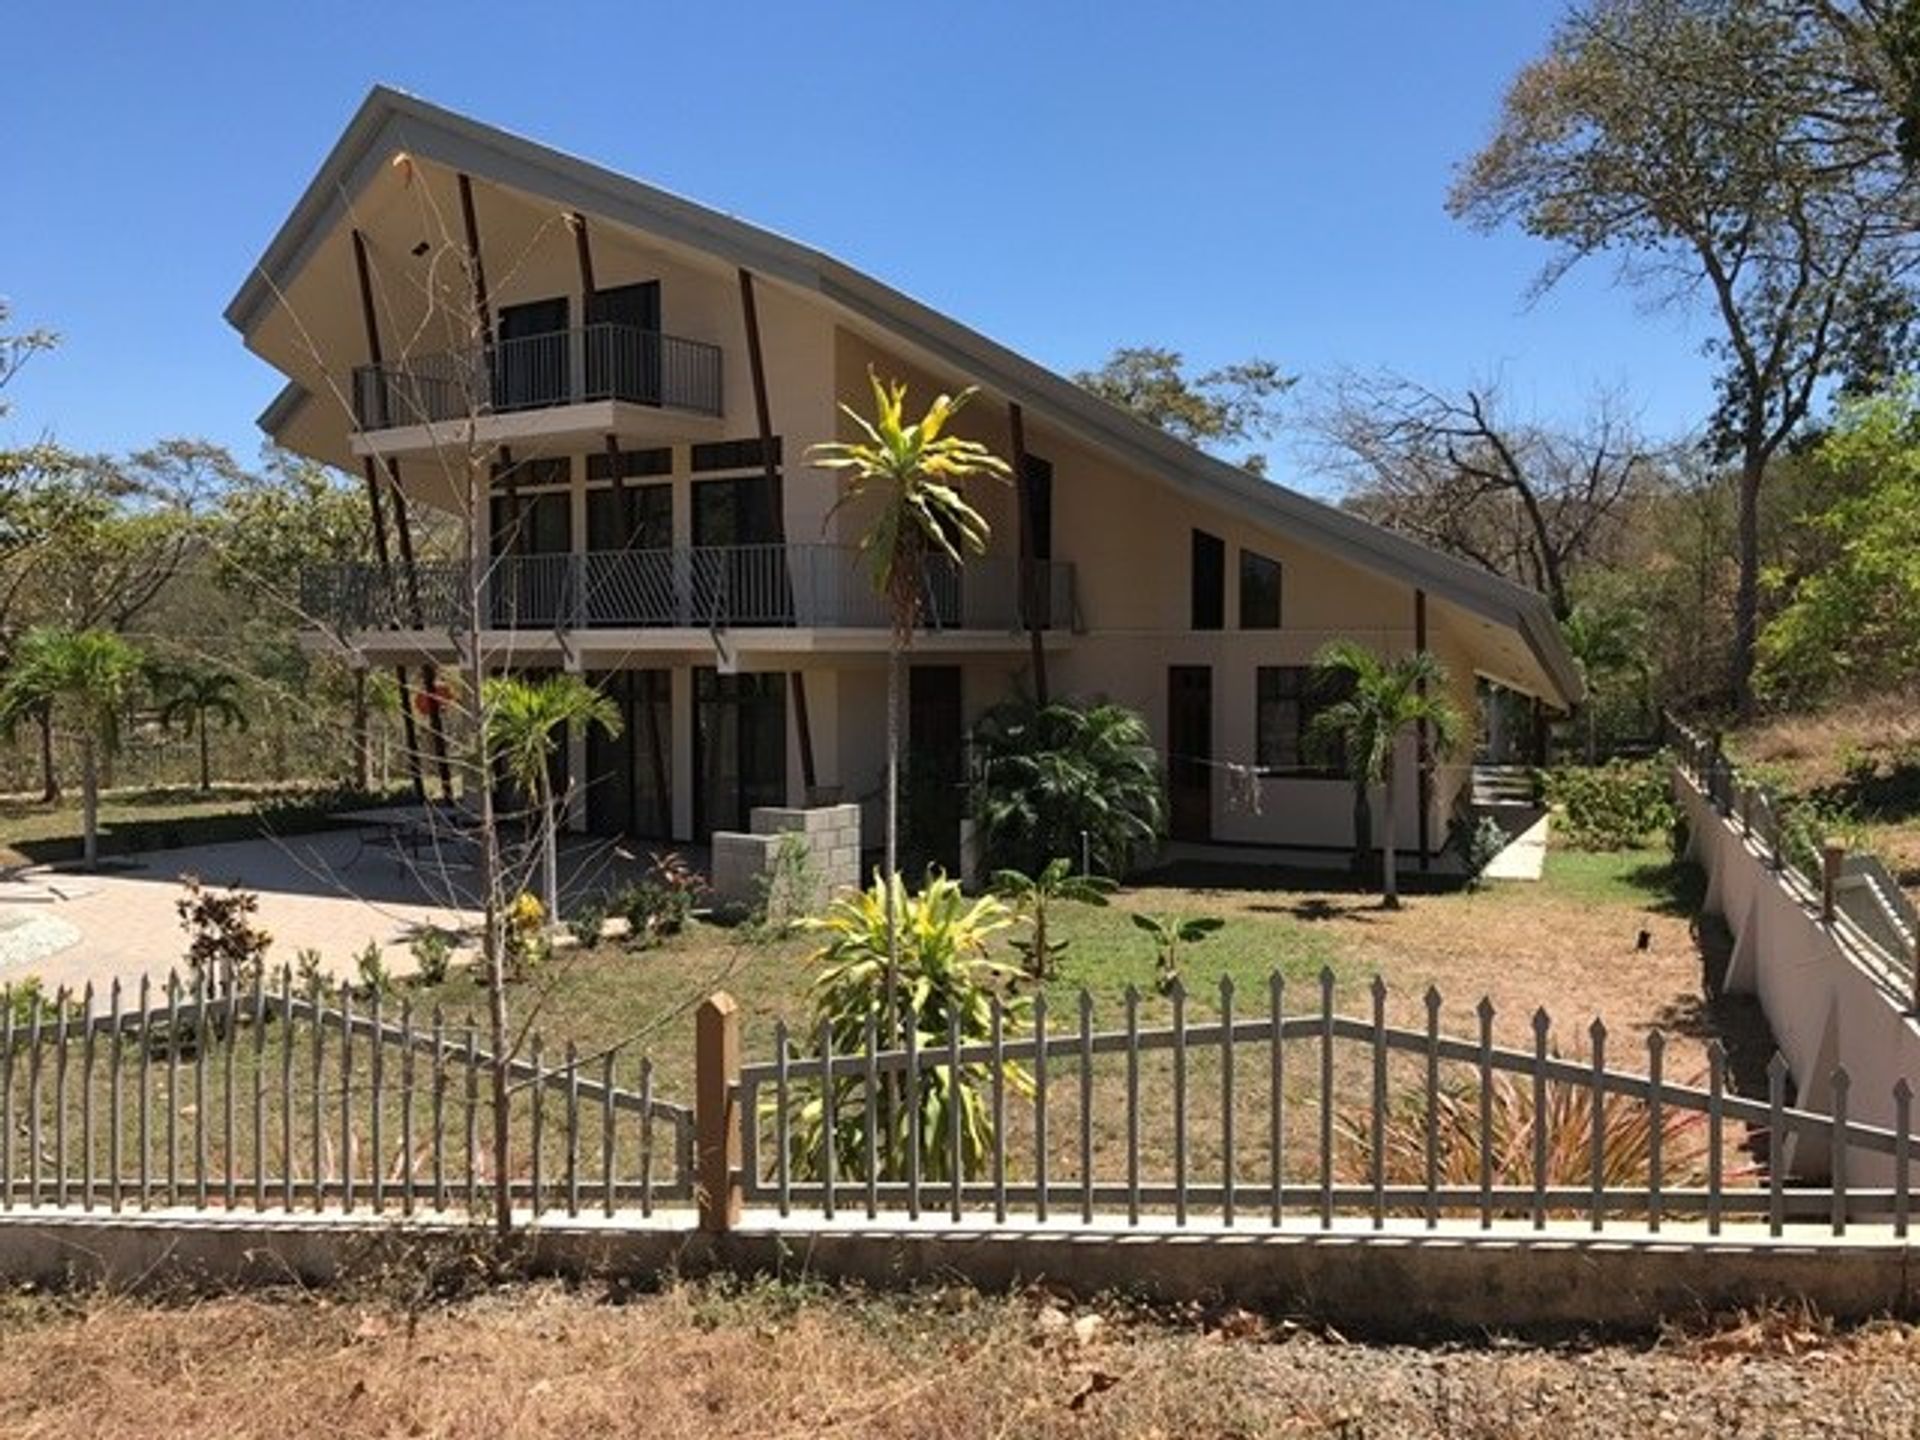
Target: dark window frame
[
  {"x": 1252, "y": 566},
  {"x": 1207, "y": 564},
  {"x": 1297, "y": 693}
]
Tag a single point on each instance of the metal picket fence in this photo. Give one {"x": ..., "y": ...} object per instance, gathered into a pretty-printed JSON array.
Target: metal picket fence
[
  {"x": 1296, "y": 1119},
  {"x": 265, "y": 1096}
]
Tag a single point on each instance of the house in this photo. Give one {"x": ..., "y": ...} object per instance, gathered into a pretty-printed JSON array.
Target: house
[{"x": 619, "y": 388}]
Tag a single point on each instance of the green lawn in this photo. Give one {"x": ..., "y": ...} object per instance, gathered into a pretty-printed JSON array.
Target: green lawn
[{"x": 158, "y": 818}]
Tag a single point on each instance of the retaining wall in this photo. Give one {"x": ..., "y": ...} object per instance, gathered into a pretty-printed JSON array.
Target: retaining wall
[{"x": 1830, "y": 996}]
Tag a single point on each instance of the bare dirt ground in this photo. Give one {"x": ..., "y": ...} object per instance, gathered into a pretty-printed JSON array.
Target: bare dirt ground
[{"x": 713, "y": 1360}]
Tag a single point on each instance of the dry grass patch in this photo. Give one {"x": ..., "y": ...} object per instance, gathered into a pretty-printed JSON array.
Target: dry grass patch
[{"x": 718, "y": 1359}]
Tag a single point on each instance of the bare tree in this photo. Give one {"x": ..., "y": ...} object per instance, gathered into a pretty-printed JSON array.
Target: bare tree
[{"x": 1459, "y": 472}]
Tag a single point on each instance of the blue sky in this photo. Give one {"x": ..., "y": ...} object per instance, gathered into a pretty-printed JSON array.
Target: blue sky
[{"x": 1066, "y": 177}]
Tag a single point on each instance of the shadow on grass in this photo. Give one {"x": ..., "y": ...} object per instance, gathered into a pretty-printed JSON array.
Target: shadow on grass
[
  {"x": 1238, "y": 877},
  {"x": 1672, "y": 887}
]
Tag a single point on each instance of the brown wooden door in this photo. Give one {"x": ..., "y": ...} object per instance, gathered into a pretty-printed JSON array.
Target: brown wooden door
[{"x": 1189, "y": 748}]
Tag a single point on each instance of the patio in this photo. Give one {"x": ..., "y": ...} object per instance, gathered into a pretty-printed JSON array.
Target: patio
[{"x": 332, "y": 891}]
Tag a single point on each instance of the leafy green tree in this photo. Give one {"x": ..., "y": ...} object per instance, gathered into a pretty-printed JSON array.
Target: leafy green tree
[
  {"x": 909, "y": 479},
  {"x": 525, "y": 723},
  {"x": 193, "y": 698},
  {"x": 1032, "y": 896},
  {"x": 1052, "y": 778},
  {"x": 1854, "y": 622},
  {"x": 1608, "y": 641},
  {"x": 1217, "y": 408},
  {"x": 1696, "y": 141},
  {"x": 1172, "y": 934},
  {"x": 1386, "y": 699},
  {"x": 82, "y": 679}
]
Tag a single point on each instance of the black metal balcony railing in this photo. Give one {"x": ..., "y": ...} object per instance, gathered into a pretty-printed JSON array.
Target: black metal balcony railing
[
  {"x": 702, "y": 586},
  {"x": 534, "y": 372}
]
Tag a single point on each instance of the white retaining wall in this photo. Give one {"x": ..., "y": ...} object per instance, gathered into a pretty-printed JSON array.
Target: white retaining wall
[{"x": 1830, "y": 996}]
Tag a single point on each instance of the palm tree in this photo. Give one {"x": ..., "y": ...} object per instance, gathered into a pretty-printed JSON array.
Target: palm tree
[
  {"x": 1385, "y": 699},
  {"x": 526, "y": 721},
  {"x": 1606, "y": 642},
  {"x": 911, "y": 475},
  {"x": 196, "y": 697},
  {"x": 82, "y": 678}
]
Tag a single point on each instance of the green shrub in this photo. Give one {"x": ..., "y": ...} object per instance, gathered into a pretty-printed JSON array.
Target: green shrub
[
  {"x": 944, "y": 984},
  {"x": 1615, "y": 806},
  {"x": 1049, "y": 775},
  {"x": 787, "y": 891},
  {"x": 432, "y": 951},
  {"x": 1478, "y": 840},
  {"x": 586, "y": 921}
]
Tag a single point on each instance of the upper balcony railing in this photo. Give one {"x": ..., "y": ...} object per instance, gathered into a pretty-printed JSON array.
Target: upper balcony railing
[
  {"x": 700, "y": 586},
  {"x": 536, "y": 372}
]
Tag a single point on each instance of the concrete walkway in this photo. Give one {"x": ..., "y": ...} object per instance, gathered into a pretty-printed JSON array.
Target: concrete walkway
[{"x": 1525, "y": 857}]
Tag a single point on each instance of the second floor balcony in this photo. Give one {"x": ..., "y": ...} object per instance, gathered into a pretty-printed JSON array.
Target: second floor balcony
[
  {"x": 589, "y": 363},
  {"x": 700, "y": 587}
]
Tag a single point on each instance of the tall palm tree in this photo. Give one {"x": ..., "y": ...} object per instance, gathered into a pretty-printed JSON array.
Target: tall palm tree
[
  {"x": 526, "y": 722},
  {"x": 82, "y": 678},
  {"x": 912, "y": 476},
  {"x": 1386, "y": 699},
  {"x": 195, "y": 697}
]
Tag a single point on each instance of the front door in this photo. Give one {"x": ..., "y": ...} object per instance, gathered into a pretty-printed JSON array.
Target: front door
[
  {"x": 623, "y": 344},
  {"x": 739, "y": 747},
  {"x": 936, "y": 772},
  {"x": 532, "y": 363},
  {"x": 1190, "y": 751}
]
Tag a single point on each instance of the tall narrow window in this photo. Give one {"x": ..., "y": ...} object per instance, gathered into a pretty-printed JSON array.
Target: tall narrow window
[
  {"x": 1286, "y": 700},
  {"x": 1209, "y": 581},
  {"x": 1259, "y": 592}
]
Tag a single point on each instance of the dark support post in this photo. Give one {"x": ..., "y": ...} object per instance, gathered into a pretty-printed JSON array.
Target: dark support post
[
  {"x": 370, "y": 468},
  {"x": 1029, "y": 571},
  {"x": 1539, "y": 732},
  {"x": 475, "y": 265},
  {"x": 763, "y": 414},
  {"x": 1424, "y": 742}
]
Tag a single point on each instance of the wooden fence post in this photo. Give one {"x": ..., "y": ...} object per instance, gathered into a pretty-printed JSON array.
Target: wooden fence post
[
  {"x": 717, "y": 1120},
  {"x": 1833, "y": 855}
]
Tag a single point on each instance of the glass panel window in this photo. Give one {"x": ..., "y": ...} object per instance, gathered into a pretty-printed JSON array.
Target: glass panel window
[
  {"x": 1286, "y": 700},
  {"x": 1209, "y": 581},
  {"x": 1259, "y": 592}
]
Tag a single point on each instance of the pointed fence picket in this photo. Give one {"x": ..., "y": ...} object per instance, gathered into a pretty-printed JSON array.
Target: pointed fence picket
[
  {"x": 259, "y": 1096},
  {"x": 1168, "y": 1125}
]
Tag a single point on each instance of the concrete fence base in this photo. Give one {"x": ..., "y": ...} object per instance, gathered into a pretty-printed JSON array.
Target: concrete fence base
[{"x": 1401, "y": 1283}]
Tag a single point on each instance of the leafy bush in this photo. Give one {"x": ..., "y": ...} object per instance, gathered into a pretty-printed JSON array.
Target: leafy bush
[
  {"x": 1615, "y": 806},
  {"x": 225, "y": 949},
  {"x": 787, "y": 891},
  {"x": 944, "y": 983},
  {"x": 526, "y": 936},
  {"x": 1171, "y": 934},
  {"x": 1047, "y": 775},
  {"x": 375, "y": 978},
  {"x": 28, "y": 994},
  {"x": 1031, "y": 895},
  {"x": 585, "y": 924},
  {"x": 661, "y": 902},
  {"x": 432, "y": 951}
]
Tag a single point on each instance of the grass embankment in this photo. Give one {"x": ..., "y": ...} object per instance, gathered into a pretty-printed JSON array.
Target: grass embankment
[
  {"x": 725, "y": 1359},
  {"x": 1859, "y": 764}
]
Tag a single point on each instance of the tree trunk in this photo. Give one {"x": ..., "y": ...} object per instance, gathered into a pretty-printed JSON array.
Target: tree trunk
[
  {"x": 362, "y": 741},
  {"x": 206, "y": 767},
  {"x": 550, "y": 853},
  {"x": 1390, "y": 880},
  {"x": 1746, "y": 600},
  {"x": 49, "y": 775},
  {"x": 1362, "y": 830},
  {"x": 893, "y": 833},
  {"x": 89, "y": 804}
]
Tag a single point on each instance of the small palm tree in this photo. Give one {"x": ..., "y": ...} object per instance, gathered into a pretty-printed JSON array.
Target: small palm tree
[
  {"x": 1032, "y": 895},
  {"x": 194, "y": 698},
  {"x": 1385, "y": 699},
  {"x": 83, "y": 679},
  {"x": 526, "y": 722},
  {"x": 912, "y": 475}
]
